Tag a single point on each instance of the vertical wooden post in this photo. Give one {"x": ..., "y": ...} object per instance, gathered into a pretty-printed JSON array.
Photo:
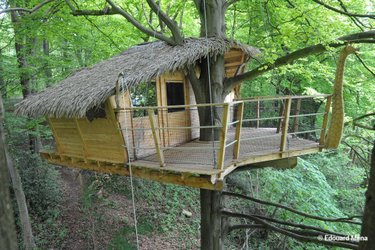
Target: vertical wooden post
[
  {"x": 296, "y": 118},
  {"x": 325, "y": 122},
  {"x": 85, "y": 152},
  {"x": 258, "y": 111},
  {"x": 223, "y": 136},
  {"x": 281, "y": 113},
  {"x": 237, "y": 137},
  {"x": 285, "y": 124},
  {"x": 155, "y": 135}
]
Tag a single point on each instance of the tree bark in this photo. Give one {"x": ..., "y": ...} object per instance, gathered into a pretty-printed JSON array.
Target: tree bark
[
  {"x": 209, "y": 88},
  {"x": 211, "y": 224},
  {"x": 2, "y": 80},
  {"x": 8, "y": 237},
  {"x": 210, "y": 84},
  {"x": 47, "y": 68},
  {"x": 27, "y": 232},
  {"x": 21, "y": 56},
  {"x": 368, "y": 226}
]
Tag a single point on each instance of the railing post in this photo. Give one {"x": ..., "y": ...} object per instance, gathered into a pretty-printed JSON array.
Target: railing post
[
  {"x": 237, "y": 137},
  {"x": 285, "y": 125},
  {"x": 325, "y": 122},
  {"x": 223, "y": 136},
  {"x": 296, "y": 118},
  {"x": 281, "y": 113},
  {"x": 155, "y": 135}
]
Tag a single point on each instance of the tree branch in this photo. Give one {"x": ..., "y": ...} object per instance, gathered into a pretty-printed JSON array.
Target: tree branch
[
  {"x": 364, "y": 64},
  {"x": 356, "y": 122},
  {"x": 114, "y": 10},
  {"x": 343, "y": 12},
  {"x": 173, "y": 27},
  {"x": 355, "y": 20},
  {"x": 345, "y": 220},
  {"x": 294, "y": 235},
  {"x": 34, "y": 9},
  {"x": 363, "y": 37},
  {"x": 302, "y": 226},
  {"x": 229, "y": 3}
]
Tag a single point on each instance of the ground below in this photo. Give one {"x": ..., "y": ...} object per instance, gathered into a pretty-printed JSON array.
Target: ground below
[{"x": 97, "y": 218}]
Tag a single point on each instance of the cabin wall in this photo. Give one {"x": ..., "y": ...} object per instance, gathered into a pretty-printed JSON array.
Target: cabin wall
[
  {"x": 136, "y": 130},
  {"x": 98, "y": 140}
]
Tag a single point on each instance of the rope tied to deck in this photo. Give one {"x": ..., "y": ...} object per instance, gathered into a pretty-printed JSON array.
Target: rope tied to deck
[{"x": 128, "y": 155}]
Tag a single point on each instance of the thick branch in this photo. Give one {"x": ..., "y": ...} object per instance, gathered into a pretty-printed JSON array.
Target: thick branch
[
  {"x": 345, "y": 220},
  {"x": 229, "y": 3},
  {"x": 343, "y": 12},
  {"x": 169, "y": 22},
  {"x": 34, "y": 9},
  {"x": 358, "y": 124},
  {"x": 363, "y": 37},
  {"x": 298, "y": 225},
  {"x": 114, "y": 10},
  {"x": 291, "y": 234}
]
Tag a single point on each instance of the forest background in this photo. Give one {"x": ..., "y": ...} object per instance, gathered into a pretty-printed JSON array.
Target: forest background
[{"x": 52, "y": 43}]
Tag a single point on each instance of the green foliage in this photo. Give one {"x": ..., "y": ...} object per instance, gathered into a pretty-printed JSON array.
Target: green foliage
[
  {"x": 41, "y": 182},
  {"x": 325, "y": 185},
  {"x": 120, "y": 240}
]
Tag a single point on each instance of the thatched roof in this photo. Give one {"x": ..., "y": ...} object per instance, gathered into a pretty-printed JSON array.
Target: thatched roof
[{"x": 90, "y": 87}]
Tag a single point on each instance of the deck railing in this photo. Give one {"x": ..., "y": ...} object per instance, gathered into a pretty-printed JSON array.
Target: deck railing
[{"x": 243, "y": 129}]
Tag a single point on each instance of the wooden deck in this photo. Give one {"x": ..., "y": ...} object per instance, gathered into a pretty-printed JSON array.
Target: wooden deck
[
  {"x": 192, "y": 163},
  {"x": 257, "y": 145},
  {"x": 197, "y": 163}
]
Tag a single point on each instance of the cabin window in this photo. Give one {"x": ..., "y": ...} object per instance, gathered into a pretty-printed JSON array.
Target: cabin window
[
  {"x": 175, "y": 95},
  {"x": 95, "y": 113},
  {"x": 143, "y": 95}
]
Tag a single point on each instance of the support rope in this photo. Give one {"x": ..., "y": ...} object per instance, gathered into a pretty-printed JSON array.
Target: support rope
[
  {"x": 210, "y": 86},
  {"x": 128, "y": 153}
]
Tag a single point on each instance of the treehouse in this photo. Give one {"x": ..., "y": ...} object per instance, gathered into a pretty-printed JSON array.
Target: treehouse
[{"x": 137, "y": 112}]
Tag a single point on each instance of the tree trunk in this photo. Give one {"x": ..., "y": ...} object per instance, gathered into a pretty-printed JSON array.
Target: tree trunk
[
  {"x": 2, "y": 80},
  {"x": 210, "y": 84},
  {"x": 368, "y": 226},
  {"x": 211, "y": 221},
  {"x": 47, "y": 68},
  {"x": 209, "y": 88},
  {"x": 28, "y": 237},
  {"x": 21, "y": 55},
  {"x": 8, "y": 237}
]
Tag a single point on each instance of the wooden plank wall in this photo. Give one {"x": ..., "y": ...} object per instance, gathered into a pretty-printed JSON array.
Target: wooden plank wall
[
  {"x": 178, "y": 136},
  {"x": 67, "y": 137},
  {"x": 99, "y": 140}
]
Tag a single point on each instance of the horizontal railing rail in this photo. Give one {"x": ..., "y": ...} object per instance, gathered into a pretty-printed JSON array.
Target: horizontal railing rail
[{"x": 242, "y": 128}]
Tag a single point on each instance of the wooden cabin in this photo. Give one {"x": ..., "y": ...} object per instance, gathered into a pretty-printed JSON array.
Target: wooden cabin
[{"x": 137, "y": 112}]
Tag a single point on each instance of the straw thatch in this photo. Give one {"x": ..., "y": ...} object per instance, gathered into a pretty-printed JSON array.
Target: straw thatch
[{"x": 90, "y": 87}]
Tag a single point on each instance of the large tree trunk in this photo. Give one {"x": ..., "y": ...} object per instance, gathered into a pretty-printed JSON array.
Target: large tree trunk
[
  {"x": 209, "y": 87},
  {"x": 368, "y": 226},
  {"x": 27, "y": 232},
  {"x": 18, "y": 189},
  {"x": 211, "y": 221},
  {"x": 8, "y": 238}
]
